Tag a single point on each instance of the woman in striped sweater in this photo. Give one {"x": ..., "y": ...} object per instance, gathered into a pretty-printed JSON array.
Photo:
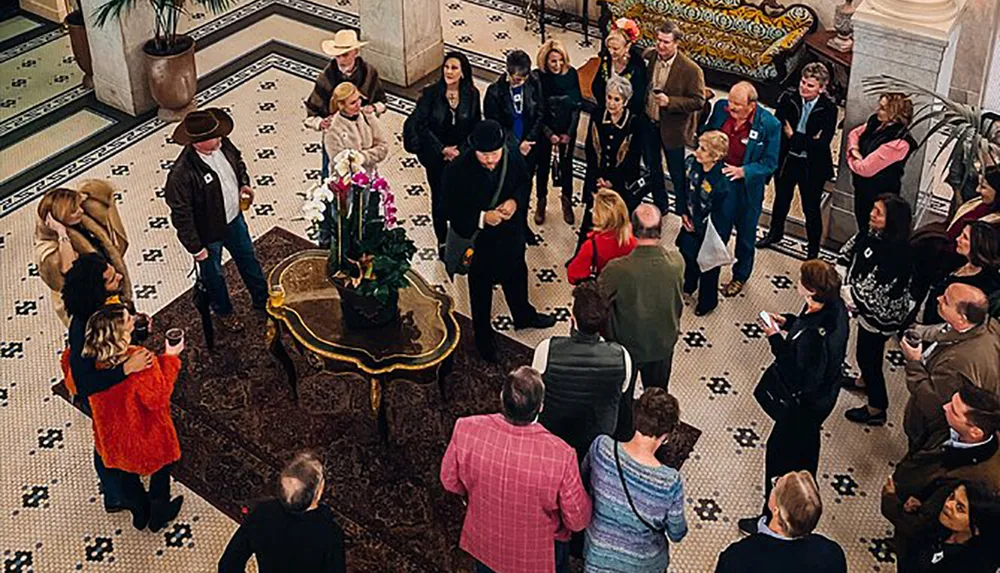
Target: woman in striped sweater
[{"x": 636, "y": 498}]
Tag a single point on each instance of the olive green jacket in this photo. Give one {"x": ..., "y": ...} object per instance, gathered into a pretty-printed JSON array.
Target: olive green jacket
[{"x": 643, "y": 290}]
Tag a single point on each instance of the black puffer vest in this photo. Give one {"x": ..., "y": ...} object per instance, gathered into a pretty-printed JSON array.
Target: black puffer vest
[
  {"x": 889, "y": 179},
  {"x": 583, "y": 385}
]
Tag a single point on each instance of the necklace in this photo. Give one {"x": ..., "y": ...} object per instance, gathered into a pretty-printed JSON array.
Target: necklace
[{"x": 517, "y": 100}]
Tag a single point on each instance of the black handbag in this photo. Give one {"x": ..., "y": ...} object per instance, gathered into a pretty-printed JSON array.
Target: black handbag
[
  {"x": 636, "y": 187},
  {"x": 458, "y": 250},
  {"x": 628, "y": 496},
  {"x": 775, "y": 397},
  {"x": 411, "y": 137}
]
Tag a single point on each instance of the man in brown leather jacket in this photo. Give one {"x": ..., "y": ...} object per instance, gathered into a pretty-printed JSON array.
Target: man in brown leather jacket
[{"x": 207, "y": 190}]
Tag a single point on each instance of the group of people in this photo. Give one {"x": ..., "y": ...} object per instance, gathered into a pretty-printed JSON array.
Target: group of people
[{"x": 587, "y": 461}]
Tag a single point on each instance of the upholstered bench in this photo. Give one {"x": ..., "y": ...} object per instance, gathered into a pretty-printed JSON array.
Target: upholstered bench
[{"x": 734, "y": 36}]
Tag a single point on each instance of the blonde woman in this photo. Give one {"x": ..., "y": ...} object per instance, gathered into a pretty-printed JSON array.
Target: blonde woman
[
  {"x": 702, "y": 201},
  {"x": 133, "y": 431},
  {"x": 561, "y": 89},
  {"x": 622, "y": 57},
  {"x": 611, "y": 238},
  {"x": 352, "y": 129},
  {"x": 71, "y": 223}
]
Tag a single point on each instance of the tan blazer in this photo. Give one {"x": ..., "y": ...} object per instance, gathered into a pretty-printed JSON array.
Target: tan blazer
[
  {"x": 685, "y": 86},
  {"x": 100, "y": 219},
  {"x": 363, "y": 134}
]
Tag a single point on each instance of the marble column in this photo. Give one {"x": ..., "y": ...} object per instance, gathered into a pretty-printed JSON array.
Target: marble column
[
  {"x": 913, "y": 40},
  {"x": 404, "y": 38},
  {"x": 120, "y": 78}
]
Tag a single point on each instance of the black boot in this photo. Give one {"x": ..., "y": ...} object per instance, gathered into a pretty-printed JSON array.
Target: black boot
[
  {"x": 140, "y": 512},
  {"x": 163, "y": 512}
]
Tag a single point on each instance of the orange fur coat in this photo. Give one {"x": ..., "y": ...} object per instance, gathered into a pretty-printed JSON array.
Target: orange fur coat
[{"x": 133, "y": 430}]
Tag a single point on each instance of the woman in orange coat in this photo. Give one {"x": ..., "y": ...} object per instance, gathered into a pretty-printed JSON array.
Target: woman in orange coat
[{"x": 133, "y": 431}]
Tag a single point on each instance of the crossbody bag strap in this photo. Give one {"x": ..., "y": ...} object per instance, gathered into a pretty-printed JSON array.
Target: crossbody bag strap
[
  {"x": 628, "y": 496},
  {"x": 503, "y": 177},
  {"x": 496, "y": 194},
  {"x": 593, "y": 263}
]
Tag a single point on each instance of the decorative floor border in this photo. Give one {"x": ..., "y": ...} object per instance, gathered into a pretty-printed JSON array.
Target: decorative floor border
[{"x": 206, "y": 35}]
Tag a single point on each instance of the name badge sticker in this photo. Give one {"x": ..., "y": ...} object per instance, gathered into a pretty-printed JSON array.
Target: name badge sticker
[
  {"x": 208, "y": 178},
  {"x": 753, "y": 134}
]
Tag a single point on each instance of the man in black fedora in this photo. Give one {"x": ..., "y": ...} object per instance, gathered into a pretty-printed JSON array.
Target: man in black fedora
[
  {"x": 206, "y": 190},
  {"x": 470, "y": 184}
]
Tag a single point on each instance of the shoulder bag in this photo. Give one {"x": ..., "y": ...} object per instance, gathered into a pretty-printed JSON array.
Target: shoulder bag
[
  {"x": 628, "y": 496},
  {"x": 458, "y": 250},
  {"x": 593, "y": 262}
]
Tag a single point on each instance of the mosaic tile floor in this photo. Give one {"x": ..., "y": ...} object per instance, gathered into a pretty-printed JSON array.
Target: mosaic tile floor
[{"x": 49, "y": 502}]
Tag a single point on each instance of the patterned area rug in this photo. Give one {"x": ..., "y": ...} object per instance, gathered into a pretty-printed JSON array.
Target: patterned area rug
[{"x": 238, "y": 425}]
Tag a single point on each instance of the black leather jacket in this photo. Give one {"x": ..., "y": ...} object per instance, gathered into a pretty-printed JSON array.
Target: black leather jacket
[
  {"x": 438, "y": 127},
  {"x": 499, "y": 106}
]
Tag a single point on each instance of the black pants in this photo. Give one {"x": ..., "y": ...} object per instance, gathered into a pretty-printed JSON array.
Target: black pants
[
  {"x": 795, "y": 172},
  {"x": 656, "y": 374},
  {"x": 653, "y": 151},
  {"x": 563, "y": 179},
  {"x": 707, "y": 283},
  {"x": 870, "y": 353},
  {"x": 792, "y": 446},
  {"x": 134, "y": 492},
  {"x": 512, "y": 275},
  {"x": 439, "y": 216}
]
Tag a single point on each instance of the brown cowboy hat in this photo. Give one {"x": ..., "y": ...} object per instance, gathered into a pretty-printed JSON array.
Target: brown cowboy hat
[
  {"x": 202, "y": 125},
  {"x": 343, "y": 41}
]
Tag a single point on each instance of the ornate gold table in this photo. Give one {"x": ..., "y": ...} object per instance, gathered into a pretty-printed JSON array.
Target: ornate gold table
[{"x": 421, "y": 341}]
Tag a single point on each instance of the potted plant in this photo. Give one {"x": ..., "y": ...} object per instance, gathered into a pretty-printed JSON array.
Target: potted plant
[
  {"x": 353, "y": 213},
  {"x": 173, "y": 78},
  {"x": 78, "y": 42}
]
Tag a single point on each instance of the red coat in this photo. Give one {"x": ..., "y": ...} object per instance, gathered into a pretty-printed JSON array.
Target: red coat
[
  {"x": 133, "y": 430},
  {"x": 607, "y": 249}
]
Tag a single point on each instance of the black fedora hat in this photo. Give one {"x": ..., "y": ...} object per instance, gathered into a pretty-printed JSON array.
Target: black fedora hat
[
  {"x": 202, "y": 125},
  {"x": 487, "y": 136}
]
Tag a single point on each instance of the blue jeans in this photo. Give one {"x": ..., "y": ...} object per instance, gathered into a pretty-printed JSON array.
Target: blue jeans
[
  {"x": 651, "y": 155},
  {"x": 741, "y": 210},
  {"x": 240, "y": 246},
  {"x": 562, "y": 559}
]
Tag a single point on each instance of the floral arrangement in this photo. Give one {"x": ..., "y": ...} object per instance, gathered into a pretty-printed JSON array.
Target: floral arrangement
[
  {"x": 628, "y": 27},
  {"x": 353, "y": 213}
]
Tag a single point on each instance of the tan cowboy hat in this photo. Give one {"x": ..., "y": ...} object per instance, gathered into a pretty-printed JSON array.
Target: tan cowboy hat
[
  {"x": 343, "y": 41},
  {"x": 202, "y": 125}
]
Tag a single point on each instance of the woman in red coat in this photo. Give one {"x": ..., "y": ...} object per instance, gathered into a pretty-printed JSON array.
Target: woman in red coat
[
  {"x": 133, "y": 431},
  {"x": 611, "y": 238}
]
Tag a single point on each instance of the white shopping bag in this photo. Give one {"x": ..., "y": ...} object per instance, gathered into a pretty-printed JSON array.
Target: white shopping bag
[{"x": 713, "y": 252}]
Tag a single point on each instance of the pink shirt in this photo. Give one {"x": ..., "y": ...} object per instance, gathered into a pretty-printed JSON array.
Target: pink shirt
[
  {"x": 885, "y": 155},
  {"x": 608, "y": 248},
  {"x": 523, "y": 489}
]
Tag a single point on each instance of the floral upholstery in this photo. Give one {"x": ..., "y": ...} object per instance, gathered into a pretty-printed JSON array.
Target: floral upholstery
[{"x": 728, "y": 35}]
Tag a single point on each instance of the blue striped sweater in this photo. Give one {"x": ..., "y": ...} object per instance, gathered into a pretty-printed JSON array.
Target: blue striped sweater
[{"x": 616, "y": 541}]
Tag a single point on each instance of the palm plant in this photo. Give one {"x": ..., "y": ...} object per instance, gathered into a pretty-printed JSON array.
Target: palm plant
[
  {"x": 166, "y": 40},
  {"x": 973, "y": 130}
]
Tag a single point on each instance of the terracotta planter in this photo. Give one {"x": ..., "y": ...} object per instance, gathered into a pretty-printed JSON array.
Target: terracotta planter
[
  {"x": 81, "y": 48},
  {"x": 173, "y": 79}
]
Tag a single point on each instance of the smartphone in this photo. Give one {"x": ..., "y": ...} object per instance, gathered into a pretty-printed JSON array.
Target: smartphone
[{"x": 764, "y": 316}]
